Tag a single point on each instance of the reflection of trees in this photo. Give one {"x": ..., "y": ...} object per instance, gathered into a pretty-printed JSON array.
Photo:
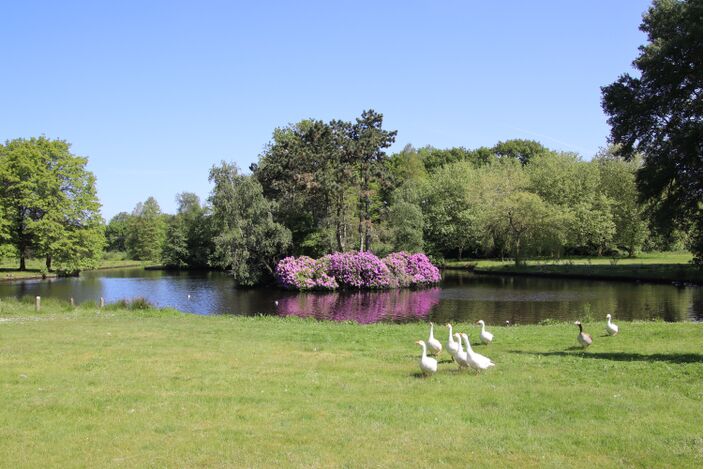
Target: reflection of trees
[
  {"x": 363, "y": 307},
  {"x": 526, "y": 300}
]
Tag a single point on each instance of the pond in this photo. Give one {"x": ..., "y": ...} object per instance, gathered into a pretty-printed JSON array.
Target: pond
[{"x": 461, "y": 296}]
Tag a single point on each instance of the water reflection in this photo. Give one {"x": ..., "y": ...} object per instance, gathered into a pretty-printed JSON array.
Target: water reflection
[
  {"x": 401, "y": 305},
  {"x": 462, "y": 296}
]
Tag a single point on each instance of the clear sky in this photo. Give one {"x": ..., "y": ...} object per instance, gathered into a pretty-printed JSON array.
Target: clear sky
[{"x": 155, "y": 93}]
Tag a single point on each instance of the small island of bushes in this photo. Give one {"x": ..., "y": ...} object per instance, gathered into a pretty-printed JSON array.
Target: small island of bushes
[{"x": 356, "y": 271}]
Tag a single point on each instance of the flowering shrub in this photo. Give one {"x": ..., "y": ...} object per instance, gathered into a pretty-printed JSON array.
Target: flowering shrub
[
  {"x": 304, "y": 273},
  {"x": 356, "y": 270}
]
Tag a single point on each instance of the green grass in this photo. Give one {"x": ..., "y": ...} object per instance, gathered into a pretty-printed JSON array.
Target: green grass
[
  {"x": 136, "y": 388},
  {"x": 9, "y": 267},
  {"x": 660, "y": 266}
]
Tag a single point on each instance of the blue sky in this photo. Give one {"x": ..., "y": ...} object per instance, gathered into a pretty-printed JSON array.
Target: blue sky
[{"x": 155, "y": 93}]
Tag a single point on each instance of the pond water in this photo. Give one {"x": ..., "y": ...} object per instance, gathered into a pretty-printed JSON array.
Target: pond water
[{"x": 461, "y": 296}]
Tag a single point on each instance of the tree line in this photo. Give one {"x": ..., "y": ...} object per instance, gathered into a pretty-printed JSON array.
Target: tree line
[{"x": 320, "y": 187}]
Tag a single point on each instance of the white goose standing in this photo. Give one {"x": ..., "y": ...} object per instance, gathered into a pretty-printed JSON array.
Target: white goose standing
[
  {"x": 475, "y": 360},
  {"x": 452, "y": 346},
  {"x": 485, "y": 336},
  {"x": 434, "y": 344},
  {"x": 460, "y": 356},
  {"x": 611, "y": 328},
  {"x": 428, "y": 365}
]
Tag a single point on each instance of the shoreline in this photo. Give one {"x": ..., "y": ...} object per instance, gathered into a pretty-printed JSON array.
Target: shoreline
[{"x": 50, "y": 275}]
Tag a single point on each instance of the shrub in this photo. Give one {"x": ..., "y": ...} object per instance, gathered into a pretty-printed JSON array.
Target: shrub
[{"x": 356, "y": 270}]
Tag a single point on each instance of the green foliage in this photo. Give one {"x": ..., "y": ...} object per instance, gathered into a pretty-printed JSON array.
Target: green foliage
[
  {"x": 50, "y": 204},
  {"x": 248, "y": 241},
  {"x": 147, "y": 231},
  {"x": 175, "y": 251},
  {"x": 521, "y": 150},
  {"x": 617, "y": 180},
  {"x": 116, "y": 232},
  {"x": 659, "y": 115},
  {"x": 407, "y": 221},
  {"x": 319, "y": 174}
]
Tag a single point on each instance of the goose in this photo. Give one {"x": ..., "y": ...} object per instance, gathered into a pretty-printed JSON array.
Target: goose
[
  {"x": 428, "y": 365},
  {"x": 433, "y": 343},
  {"x": 452, "y": 346},
  {"x": 584, "y": 339},
  {"x": 475, "y": 360},
  {"x": 460, "y": 356},
  {"x": 485, "y": 336},
  {"x": 611, "y": 328}
]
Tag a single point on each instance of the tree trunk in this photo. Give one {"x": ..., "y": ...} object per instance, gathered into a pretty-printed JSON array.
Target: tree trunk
[
  {"x": 517, "y": 252},
  {"x": 48, "y": 262},
  {"x": 23, "y": 266}
]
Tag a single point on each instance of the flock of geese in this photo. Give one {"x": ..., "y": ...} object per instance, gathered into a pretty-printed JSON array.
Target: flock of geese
[{"x": 469, "y": 358}]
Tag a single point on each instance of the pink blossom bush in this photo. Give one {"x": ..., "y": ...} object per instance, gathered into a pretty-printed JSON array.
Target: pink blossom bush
[
  {"x": 304, "y": 273},
  {"x": 357, "y": 271}
]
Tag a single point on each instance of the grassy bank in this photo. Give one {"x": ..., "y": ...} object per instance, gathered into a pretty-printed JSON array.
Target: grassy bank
[
  {"x": 655, "y": 267},
  {"x": 138, "y": 388},
  {"x": 9, "y": 270}
]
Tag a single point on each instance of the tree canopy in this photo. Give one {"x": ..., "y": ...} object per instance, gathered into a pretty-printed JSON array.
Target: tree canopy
[
  {"x": 50, "y": 204},
  {"x": 659, "y": 114}
]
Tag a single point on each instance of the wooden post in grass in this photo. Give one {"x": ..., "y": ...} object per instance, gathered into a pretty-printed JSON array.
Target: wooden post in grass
[
  {"x": 102, "y": 302},
  {"x": 72, "y": 303},
  {"x": 37, "y": 303}
]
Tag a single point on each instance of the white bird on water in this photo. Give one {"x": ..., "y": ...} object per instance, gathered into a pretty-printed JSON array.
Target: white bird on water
[
  {"x": 485, "y": 336},
  {"x": 428, "y": 365},
  {"x": 433, "y": 343},
  {"x": 611, "y": 328}
]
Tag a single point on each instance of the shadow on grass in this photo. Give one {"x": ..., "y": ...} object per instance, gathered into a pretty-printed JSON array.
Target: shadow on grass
[{"x": 622, "y": 356}]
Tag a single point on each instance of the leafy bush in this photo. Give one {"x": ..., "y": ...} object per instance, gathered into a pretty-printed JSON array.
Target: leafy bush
[{"x": 356, "y": 270}]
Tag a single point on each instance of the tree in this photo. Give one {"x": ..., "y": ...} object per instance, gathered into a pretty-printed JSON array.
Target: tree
[
  {"x": 525, "y": 219},
  {"x": 369, "y": 141},
  {"x": 307, "y": 170},
  {"x": 617, "y": 181},
  {"x": 521, "y": 150},
  {"x": 50, "y": 204},
  {"x": 248, "y": 241},
  {"x": 194, "y": 222},
  {"x": 116, "y": 232},
  {"x": 147, "y": 231},
  {"x": 175, "y": 251},
  {"x": 659, "y": 115}
]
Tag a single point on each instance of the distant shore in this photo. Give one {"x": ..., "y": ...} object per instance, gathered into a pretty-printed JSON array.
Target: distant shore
[{"x": 665, "y": 267}]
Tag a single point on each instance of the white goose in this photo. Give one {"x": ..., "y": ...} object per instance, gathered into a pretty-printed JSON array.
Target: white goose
[
  {"x": 428, "y": 365},
  {"x": 485, "y": 336},
  {"x": 460, "y": 356},
  {"x": 611, "y": 328},
  {"x": 452, "y": 346},
  {"x": 475, "y": 360},
  {"x": 434, "y": 344}
]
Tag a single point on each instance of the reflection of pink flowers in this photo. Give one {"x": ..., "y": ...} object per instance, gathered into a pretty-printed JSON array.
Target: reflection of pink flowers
[
  {"x": 362, "y": 307},
  {"x": 356, "y": 270}
]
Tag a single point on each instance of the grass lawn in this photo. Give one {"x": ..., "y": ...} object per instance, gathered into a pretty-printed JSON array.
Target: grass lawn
[
  {"x": 9, "y": 267},
  {"x": 652, "y": 266},
  {"x": 123, "y": 388}
]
